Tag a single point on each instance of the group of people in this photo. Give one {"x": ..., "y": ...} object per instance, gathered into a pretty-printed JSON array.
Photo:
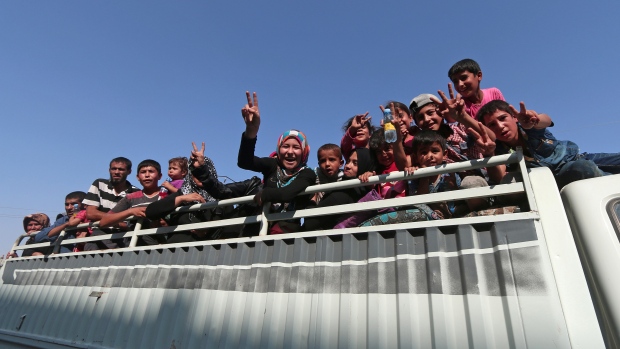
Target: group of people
[{"x": 431, "y": 131}]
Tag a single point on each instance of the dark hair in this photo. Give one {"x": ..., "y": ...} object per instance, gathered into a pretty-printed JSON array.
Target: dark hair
[
  {"x": 427, "y": 138},
  {"x": 398, "y": 105},
  {"x": 491, "y": 108},
  {"x": 149, "y": 162},
  {"x": 347, "y": 124},
  {"x": 125, "y": 161},
  {"x": 181, "y": 161},
  {"x": 80, "y": 195},
  {"x": 329, "y": 147},
  {"x": 377, "y": 140},
  {"x": 466, "y": 64}
]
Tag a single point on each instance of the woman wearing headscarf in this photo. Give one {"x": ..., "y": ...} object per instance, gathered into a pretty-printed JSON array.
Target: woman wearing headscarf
[
  {"x": 285, "y": 174},
  {"x": 34, "y": 223},
  {"x": 360, "y": 161}
]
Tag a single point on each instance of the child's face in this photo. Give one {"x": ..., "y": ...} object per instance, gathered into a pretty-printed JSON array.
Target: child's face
[
  {"x": 467, "y": 83},
  {"x": 385, "y": 156},
  {"x": 350, "y": 169},
  {"x": 149, "y": 177},
  {"x": 329, "y": 162},
  {"x": 430, "y": 155},
  {"x": 504, "y": 126},
  {"x": 362, "y": 137},
  {"x": 404, "y": 120},
  {"x": 428, "y": 118},
  {"x": 69, "y": 205},
  {"x": 289, "y": 154},
  {"x": 175, "y": 172}
]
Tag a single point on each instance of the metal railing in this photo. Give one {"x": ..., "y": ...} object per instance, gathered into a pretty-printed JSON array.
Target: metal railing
[{"x": 265, "y": 218}]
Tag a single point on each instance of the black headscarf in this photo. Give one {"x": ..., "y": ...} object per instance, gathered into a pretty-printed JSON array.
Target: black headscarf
[{"x": 365, "y": 161}]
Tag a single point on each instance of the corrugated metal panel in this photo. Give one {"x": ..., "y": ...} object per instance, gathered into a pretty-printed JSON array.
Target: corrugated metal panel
[{"x": 484, "y": 285}]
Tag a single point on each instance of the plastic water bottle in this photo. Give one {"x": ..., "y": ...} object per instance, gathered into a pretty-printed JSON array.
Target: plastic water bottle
[
  {"x": 388, "y": 128},
  {"x": 162, "y": 189},
  {"x": 76, "y": 209}
]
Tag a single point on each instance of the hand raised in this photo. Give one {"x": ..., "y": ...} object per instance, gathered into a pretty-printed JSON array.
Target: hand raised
[
  {"x": 527, "y": 118},
  {"x": 486, "y": 144},
  {"x": 197, "y": 157},
  {"x": 452, "y": 108},
  {"x": 359, "y": 121},
  {"x": 251, "y": 115},
  {"x": 395, "y": 120}
]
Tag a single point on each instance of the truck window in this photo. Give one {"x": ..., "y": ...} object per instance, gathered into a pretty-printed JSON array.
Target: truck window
[{"x": 613, "y": 209}]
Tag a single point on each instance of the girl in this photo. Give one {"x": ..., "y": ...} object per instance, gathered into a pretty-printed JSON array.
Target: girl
[
  {"x": 360, "y": 161},
  {"x": 285, "y": 174}
]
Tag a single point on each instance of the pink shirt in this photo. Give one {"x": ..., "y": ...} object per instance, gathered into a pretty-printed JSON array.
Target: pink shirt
[
  {"x": 390, "y": 190},
  {"x": 488, "y": 94}
]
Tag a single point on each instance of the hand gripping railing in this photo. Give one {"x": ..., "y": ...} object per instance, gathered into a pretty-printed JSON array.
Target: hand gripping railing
[{"x": 265, "y": 217}]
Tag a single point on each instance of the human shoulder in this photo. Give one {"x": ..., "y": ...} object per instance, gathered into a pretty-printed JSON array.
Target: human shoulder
[{"x": 492, "y": 93}]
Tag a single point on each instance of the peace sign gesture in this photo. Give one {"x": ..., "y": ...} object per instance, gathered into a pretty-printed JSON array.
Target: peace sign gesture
[
  {"x": 486, "y": 144},
  {"x": 527, "y": 118},
  {"x": 359, "y": 121},
  {"x": 451, "y": 108},
  {"x": 197, "y": 158},
  {"x": 251, "y": 115}
]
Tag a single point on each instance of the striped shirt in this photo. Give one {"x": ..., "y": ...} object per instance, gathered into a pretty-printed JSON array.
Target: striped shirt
[{"x": 102, "y": 195}]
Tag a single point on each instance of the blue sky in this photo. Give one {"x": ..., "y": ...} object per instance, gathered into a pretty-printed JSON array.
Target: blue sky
[{"x": 85, "y": 81}]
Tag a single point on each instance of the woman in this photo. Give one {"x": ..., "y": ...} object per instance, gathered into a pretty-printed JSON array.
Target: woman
[
  {"x": 33, "y": 223},
  {"x": 285, "y": 173}
]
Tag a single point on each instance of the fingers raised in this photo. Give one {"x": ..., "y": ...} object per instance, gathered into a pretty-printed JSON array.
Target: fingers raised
[
  {"x": 450, "y": 91},
  {"x": 255, "y": 96},
  {"x": 522, "y": 108}
]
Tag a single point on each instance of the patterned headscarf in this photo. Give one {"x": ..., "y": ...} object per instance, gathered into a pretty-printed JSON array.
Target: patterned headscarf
[
  {"x": 40, "y": 218},
  {"x": 189, "y": 186},
  {"x": 299, "y": 137},
  {"x": 283, "y": 178}
]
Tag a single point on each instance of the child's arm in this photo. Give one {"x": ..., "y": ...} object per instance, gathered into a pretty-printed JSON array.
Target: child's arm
[
  {"x": 454, "y": 108},
  {"x": 531, "y": 119},
  {"x": 400, "y": 158},
  {"x": 487, "y": 146},
  {"x": 169, "y": 187},
  {"x": 113, "y": 217}
]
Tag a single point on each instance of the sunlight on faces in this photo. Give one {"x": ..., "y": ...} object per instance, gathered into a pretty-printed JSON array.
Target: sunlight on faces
[
  {"x": 362, "y": 136},
  {"x": 385, "y": 156},
  {"x": 350, "y": 169},
  {"x": 33, "y": 226},
  {"x": 175, "y": 172},
  {"x": 430, "y": 155},
  {"x": 118, "y": 172},
  {"x": 290, "y": 154},
  {"x": 329, "y": 162},
  {"x": 428, "y": 118},
  {"x": 404, "y": 120},
  {"x": 466, "y": 83},
  {"x": 504, "y": 126},
  {"x": 148, "y": 176}
]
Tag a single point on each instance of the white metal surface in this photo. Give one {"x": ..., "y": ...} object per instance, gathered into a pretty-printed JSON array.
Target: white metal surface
[{"x": 586, "y": 206}]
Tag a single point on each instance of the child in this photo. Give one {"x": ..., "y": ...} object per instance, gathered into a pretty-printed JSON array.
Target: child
[
  {"x": 466, "y": 76},
  {"x": 384, "y": 155},
  {"x": 402, "y": 117},
  {"x": 285, "y": 176},
  {"x": 359, "y": 162},
  {"x": 357, "y": 131},
  {"x": 429, "y": 114},
  {"x": 134, "y": 204},
  {"x": 528, "y": 129},
  {"x": 330, "y": 160},
  {"x": 430, "y": 150},
  {"x": 177, "y": 170}
]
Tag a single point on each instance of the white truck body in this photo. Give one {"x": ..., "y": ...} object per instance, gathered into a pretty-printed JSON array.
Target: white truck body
[{"x": 504, "y": 281}]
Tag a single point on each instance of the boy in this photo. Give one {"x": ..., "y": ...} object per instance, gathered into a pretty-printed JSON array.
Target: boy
[
  {"x": 177, "y": 170},
  {"x": 330, "y": 161},
  {"x": 50, "y": 234},
  {"x": 528, "y": 129},
  {"x": 466, "y": 76},
  {"x": 134, "y": 204}
]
